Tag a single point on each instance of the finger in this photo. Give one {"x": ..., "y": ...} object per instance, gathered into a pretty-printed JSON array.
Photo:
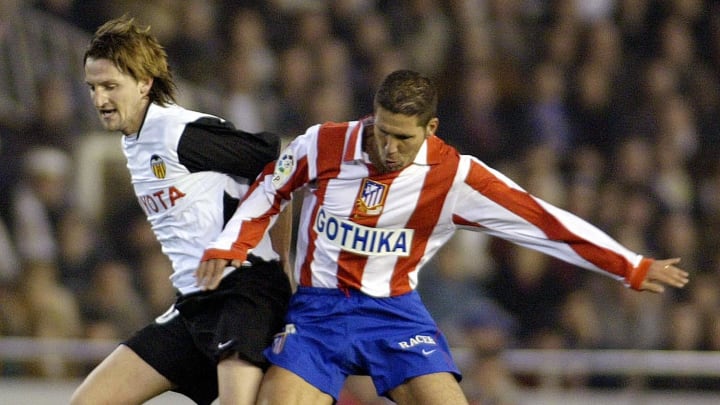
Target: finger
[
  {"x": 213, "y": 279},
  {"x": 653, "y": 287},
  {"x": 673, "y": 276},
  {"x": 200, "y": 273},
  {"x": 205, "y": 273},
  {"x": 674, "y": 279}
]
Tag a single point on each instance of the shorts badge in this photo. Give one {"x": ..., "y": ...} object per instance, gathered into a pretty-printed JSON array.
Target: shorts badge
[{"x": 279, "y": 340}]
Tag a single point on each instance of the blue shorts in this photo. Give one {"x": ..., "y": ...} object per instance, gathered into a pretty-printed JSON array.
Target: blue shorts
[{"x": 332, "y": 333}]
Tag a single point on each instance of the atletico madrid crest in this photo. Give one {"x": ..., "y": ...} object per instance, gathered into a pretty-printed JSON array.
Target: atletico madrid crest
[{"x": 371, "y": 199}]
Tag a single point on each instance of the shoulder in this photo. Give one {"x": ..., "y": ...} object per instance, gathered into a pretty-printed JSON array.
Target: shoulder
[{"x": 175, "y": 114}]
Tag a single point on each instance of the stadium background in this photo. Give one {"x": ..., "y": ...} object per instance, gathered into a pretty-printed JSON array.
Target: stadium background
[{"x": 608, "y": 108}]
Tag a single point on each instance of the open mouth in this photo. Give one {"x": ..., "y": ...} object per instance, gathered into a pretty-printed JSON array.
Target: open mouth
[{"x": 107, "y": 113}]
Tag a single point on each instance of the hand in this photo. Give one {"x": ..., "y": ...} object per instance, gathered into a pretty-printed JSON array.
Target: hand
[
  {"x": 210, "y": 272},
  {"x": 664, "y": 272}
]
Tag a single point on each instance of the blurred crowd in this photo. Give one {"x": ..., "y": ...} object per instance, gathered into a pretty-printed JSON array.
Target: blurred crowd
[{"x": 608, "y": 108}]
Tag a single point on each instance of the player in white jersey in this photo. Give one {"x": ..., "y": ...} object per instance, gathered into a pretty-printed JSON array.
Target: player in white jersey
[
  {"x": 380, "y": 197},
  {"x": 189, "y": 171}
]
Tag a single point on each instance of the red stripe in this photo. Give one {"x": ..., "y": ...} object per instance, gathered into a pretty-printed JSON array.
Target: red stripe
[
  {"x": 330, "y": 144},
  {"x": 522, "y": 204},
  {"x": 427, "y": 211}
]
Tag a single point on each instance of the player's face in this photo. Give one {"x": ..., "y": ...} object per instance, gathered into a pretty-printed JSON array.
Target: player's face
[
  {"x": 119, "y": 99},
  {"x": 396, "y": 140}
]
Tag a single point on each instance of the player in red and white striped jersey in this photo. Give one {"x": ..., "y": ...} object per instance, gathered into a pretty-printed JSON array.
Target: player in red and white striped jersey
[{"x": 380, "y": 197}]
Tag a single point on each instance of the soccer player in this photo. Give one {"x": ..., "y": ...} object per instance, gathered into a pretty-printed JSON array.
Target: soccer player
[
  {"x": 189, "y": 170},
  {"x": 380, "y": 196}
]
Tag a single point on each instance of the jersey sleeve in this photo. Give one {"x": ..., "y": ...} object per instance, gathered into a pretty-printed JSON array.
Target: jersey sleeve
[
  {"x": 490, "y": 202},
  {"x": 211, "y": 144},
  {"x": 267, "y": 197}
]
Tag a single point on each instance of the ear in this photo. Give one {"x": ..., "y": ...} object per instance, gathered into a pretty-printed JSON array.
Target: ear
[
  {"x": 432, "y": 126},
  {"x": 145, "y": 85}
]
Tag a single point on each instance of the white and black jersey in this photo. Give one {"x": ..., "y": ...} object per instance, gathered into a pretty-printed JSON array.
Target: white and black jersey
[{"x": 189, "y": 171}]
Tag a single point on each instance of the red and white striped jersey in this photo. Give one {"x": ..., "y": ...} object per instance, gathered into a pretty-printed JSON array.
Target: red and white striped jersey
[{"x": 374, "y": 232}]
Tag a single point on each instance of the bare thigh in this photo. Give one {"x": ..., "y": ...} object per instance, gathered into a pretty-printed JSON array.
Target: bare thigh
[
  {"x": 429, "y": 389},
  {"x": 122, "y": 378},
  {"x": 238, "y": 381},
  {"x": 283, "y": 387},
  {"x": 361, "y": 389}
]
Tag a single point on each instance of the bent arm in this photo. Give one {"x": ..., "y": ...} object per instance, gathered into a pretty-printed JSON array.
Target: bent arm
[
  {"x": 281, "y": 237},
  {"x": 268, "y": 196}
]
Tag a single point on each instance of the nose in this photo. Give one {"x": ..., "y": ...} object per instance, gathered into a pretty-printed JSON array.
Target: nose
[
  {"x": 99, "y": 98},
  {"x": 391, "y": 145}
]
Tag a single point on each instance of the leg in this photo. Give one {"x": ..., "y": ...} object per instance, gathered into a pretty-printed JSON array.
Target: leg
[
  {"x": 282, "y": 387},
  {"x": 437, "y": 388},
  {"x": 238, "y": 381},
  {"x": 361, "y": 390},
  {"x": 122, "y": 378}
]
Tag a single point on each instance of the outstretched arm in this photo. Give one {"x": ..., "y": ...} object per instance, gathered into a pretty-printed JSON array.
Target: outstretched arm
[{"x": 493, "y": 203}]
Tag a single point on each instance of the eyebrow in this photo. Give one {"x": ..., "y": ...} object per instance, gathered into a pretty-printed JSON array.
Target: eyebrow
[
  {"x": 398, "y": 134},
  {"x": 101, "y": 83}
]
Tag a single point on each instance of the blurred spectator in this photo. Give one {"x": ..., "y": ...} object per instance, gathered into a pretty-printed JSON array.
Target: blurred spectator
[
  {"x": 561, "y": 43},
  {"x": 488, "y": 330},
  {"x": 155, "y": 269},
  {"x": 9, "y": 263},
  {"x": 678, "y": 237},
  {"x": 632, "y": 162},
  {"x": 592, "y": 110},
  {"x": 373, "y": 50},
  {"x": 137, "y": 240},
  {"x": 112, "y": 307},
  {"x": 529, "y": 285},
  {"x": 297, "y": 70},
  {"x": 245, "y": 102},
  {"x": 477, "y": 121},
  {"x": 541, "y": 173},
  {"x": 56, "y": 124},
  {"x": 549, "y": 119},
  {"x": 672, "y": 183},
  {"x": 639, "y": 214},
  {"x": 81, "y": 246},
  {"x": 426, "y": 33},
  {"x": 53, "y": 312},
  {"x": 39, "y": 202},
  {"x": 195, "y": 50},
  {"x": 451, "y": 284},
  {"x": 250, "y": 70}
]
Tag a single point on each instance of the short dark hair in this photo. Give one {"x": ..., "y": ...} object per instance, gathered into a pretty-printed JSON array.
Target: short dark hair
[
  {"x": 409, "y": 93},
  {"x": 136, "y": 52}
]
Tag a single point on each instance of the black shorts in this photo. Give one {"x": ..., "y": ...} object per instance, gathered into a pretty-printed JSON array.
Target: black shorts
[{"x": 240, "y": 316}]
